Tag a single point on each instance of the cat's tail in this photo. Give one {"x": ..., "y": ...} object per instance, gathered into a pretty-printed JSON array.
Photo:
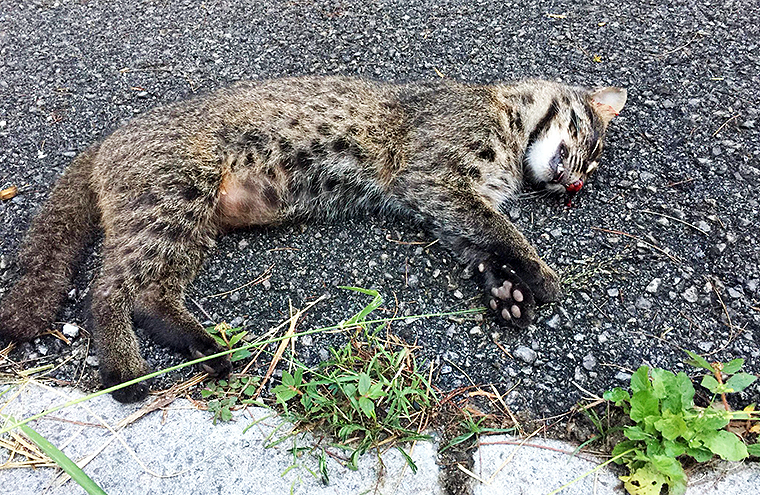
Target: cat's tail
[{"x": 50, "y": 251}]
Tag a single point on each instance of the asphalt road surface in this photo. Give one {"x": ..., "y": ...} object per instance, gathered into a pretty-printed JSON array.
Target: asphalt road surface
[{"x": 659, "y": 254}]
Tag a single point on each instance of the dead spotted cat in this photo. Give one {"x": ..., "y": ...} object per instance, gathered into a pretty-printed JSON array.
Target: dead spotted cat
[{"x": 165, "y": 185}]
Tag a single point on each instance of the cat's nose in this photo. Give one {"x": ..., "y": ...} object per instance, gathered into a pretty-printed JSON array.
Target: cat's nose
[{"x": 575, "y": 186}]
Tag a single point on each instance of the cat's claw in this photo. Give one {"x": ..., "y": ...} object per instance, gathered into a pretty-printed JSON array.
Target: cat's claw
[{"x": 218, "y": 367}]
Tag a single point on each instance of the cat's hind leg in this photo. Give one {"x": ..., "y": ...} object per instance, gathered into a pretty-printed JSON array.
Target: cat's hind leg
[
  {"x": 115, "y": 342},
  {"x": 161, "y": 311},
  {"x": 145, "y": 279},
  {"x": 156, "y": 237}
]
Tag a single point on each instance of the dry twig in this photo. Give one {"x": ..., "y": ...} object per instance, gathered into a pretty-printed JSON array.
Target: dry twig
[
  {"x": 675, "y": 220},
  {"x": 259, "y": 279},
  {"x": 649, "y": 244}
]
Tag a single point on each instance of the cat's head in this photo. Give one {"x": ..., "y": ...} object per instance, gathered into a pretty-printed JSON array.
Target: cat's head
[{"x": 566, "y": 144}]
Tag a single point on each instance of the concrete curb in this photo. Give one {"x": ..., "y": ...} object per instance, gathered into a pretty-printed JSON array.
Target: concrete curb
[{"x": 178, "y": 450}]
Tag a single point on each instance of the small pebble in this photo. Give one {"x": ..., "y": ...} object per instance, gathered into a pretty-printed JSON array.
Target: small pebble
[
  {"x": 643, "y": 303},
  {"x": 70, "y": 331},
  {"x": 690, "y": 294},
  {"x": 646, "y": 176},
  {"x": 613, "y": 292},
  {"x": 554, "y": 322},
  {"x": 654, "y": 285},
  {"x": 578, "y": 376},
  {"x": 525, "y": 354},
  {"x": 623, "y": 376},
  {"x": 589, "y": 362},
  {"x": 458, "y": 294},
  {"x": 92, "y": 361}
]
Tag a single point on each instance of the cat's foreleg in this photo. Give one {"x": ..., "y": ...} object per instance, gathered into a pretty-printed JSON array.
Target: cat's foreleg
[{"x": 514, "y": 277}]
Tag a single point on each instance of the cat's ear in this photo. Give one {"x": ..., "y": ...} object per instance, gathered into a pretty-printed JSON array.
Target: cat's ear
[{"x": 608, "y": 101}]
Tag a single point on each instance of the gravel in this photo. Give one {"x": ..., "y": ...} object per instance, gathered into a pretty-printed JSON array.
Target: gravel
[
  {"x": 686, "y": 147},
  {"x": 525, "y": 354}
]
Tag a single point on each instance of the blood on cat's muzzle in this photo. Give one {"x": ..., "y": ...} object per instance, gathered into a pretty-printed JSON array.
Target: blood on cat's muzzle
[{"x": 574, "y": 187}]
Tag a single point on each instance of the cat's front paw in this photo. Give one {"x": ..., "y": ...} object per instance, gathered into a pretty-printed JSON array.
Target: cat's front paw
[
  {"x": 549, "y": 290},
  {"x": 508, "y": 296},
  {"x": 541, "y": 279}
]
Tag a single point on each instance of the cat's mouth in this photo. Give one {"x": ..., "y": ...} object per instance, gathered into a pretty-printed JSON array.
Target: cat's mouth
[{"x": 565, "y": 179}]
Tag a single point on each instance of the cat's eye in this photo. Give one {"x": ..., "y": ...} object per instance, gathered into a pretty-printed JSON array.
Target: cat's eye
[{"x": 563, "y": 151}]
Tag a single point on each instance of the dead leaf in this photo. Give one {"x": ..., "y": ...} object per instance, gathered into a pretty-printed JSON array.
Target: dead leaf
[{"x": 8, "y": 192}]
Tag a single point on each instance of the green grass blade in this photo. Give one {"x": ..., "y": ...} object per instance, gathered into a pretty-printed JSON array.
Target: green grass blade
[
  {"x": 69, "y": 466},
  {"x": 408, "y": 459},
  {"x": 377, "y": 301}
]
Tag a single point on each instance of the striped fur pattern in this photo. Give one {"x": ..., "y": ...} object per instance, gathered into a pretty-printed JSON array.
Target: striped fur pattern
[{"x": 164, "y": 186}]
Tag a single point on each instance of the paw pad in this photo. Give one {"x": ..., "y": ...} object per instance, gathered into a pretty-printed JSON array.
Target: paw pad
[{"x": 511, "y": 299}]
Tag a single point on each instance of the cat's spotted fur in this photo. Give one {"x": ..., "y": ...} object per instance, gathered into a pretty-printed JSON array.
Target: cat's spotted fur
[{"x": 164, "y": 186}]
